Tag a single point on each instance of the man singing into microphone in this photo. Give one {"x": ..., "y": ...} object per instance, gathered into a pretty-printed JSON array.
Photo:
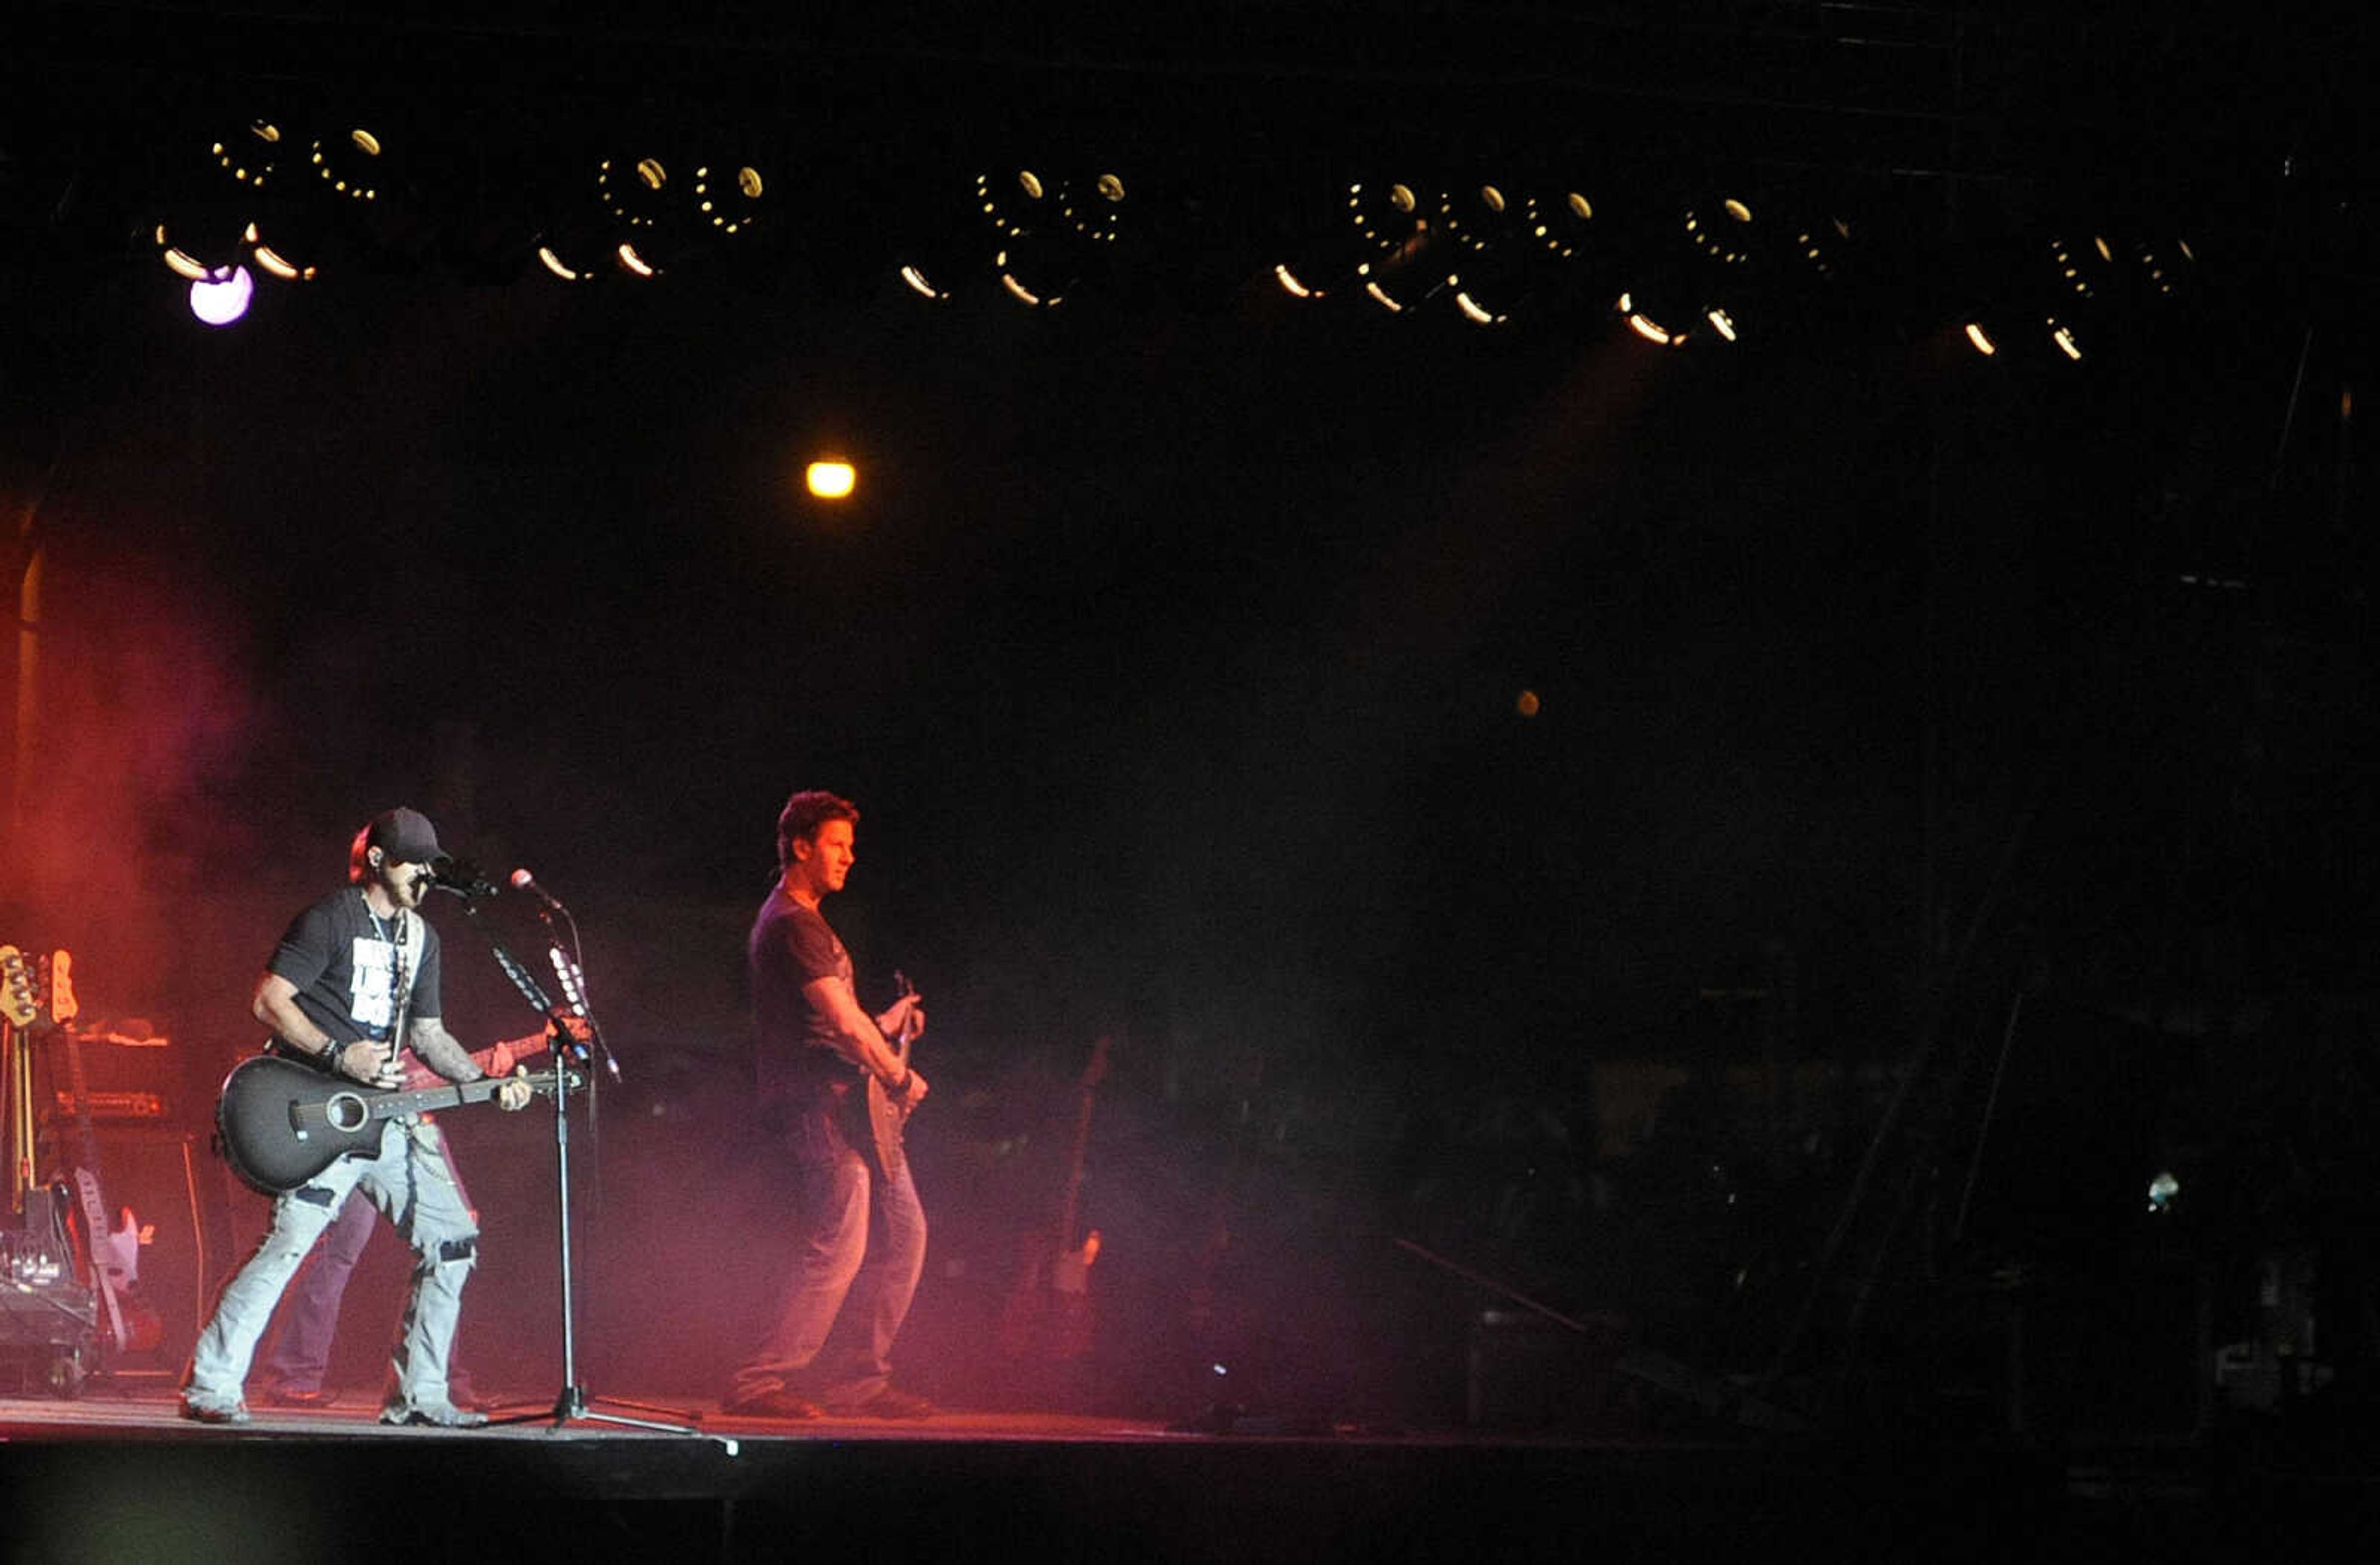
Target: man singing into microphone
[
  {"x": 817, "y": 1049},
  {"x": 353, "y": 983}
]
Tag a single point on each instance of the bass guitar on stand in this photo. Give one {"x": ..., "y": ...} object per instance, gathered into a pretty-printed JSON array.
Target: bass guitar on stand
[{"x": 110, "y": 1248}]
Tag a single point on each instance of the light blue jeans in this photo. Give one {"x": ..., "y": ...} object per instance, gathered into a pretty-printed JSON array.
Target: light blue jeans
[
  {"x": 300, "y": 1355},
  {"x": 412, "y": 1181}
]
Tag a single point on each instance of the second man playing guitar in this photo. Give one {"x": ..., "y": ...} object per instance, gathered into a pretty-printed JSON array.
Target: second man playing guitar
[{"x": 816, "y": 1048}]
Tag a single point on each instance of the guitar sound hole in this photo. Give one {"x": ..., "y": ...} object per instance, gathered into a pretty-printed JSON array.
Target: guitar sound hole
[{"x": 346, "y": 1112}]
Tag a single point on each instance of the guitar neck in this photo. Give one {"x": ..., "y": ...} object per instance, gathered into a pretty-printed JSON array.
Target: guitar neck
[
  {"x": 417, "y": 1075},
  {"x": 446, "y": 1094}
]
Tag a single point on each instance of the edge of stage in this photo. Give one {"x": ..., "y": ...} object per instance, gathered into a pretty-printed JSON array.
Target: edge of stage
[{"x": 115, "y": 1474}]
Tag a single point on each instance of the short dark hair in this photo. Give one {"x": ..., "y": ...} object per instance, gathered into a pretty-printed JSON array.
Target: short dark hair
[{"x": 804, "y": 813}]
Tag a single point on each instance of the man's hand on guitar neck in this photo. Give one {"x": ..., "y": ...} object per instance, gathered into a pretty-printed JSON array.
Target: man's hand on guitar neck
[
  {"x": 561, "y": 1028},
  {"x": 903, "y": 1021}
]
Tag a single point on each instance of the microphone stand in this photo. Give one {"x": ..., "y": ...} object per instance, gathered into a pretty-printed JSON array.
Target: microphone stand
[{"x": 573, "y": 1405}]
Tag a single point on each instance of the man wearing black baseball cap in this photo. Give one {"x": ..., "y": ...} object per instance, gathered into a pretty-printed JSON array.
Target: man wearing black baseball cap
[{"x": 353, "y": 984}]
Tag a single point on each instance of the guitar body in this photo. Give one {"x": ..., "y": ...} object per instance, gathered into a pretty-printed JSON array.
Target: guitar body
[
  {"x": 279, "y": 1123},
  {"x": 886, "y": 1122},
  {"x": 273, "y": 1123}
]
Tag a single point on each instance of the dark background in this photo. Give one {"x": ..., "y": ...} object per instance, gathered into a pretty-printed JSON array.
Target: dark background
[{"x": 1174, "y": 647}]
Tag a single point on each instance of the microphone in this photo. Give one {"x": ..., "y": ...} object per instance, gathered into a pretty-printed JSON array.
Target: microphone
[
  {"x": 461, "y": 877},
  {"x": 522, "y": 881}
]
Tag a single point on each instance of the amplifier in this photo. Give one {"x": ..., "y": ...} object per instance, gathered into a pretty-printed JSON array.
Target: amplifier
[
  {"x": 111, "y": 1108},
  {"x": 128, "y": 1074}
]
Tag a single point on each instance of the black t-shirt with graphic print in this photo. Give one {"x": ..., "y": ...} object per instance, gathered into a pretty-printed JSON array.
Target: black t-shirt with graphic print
[{"x": 343, "y": 961}]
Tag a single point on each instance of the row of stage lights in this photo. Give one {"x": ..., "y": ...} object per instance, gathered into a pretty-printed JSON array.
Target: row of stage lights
[{"x": 1720, "y": 268}]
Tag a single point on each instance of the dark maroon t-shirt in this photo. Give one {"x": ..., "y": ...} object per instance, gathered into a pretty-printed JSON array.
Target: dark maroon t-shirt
[{"x": 792, "y": 946}]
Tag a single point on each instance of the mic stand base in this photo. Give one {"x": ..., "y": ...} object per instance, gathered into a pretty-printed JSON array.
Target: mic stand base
[{"x": 573, "y": 1406}]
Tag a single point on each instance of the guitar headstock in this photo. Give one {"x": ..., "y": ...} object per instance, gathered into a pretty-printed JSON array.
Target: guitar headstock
[
  {"x": 39, "y": 994},
  {"x": 17, "y": 1001},
  {"x": 64, "y": 1007}
]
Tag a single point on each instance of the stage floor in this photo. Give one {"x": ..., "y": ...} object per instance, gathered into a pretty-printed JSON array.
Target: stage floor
[
  {"x": 147, "y": 1412},
  {"x": 115, "y": 1474}
]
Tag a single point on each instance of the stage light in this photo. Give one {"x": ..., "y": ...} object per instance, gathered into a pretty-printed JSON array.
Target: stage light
[
  {"x": 250, "y": 156},
  {"x": 832, "y": 479},
  {"x": 221, "y": 297},
  {"x": 215, "y": 226},
  {"x": 1560, "y": 227},
  {"x": 1093, "y": 209},
  {"x": 197, "y": 250},
  {"x": 1719, "y": 263},
  {"x": 1473, "y": 311},
  {"x": 1528, "y": 257},
  {"x": 1371, "y": 237},
  {"x": 1052, "y": 234},
  {"x": 279, "y": 261},
  {"x": 1490, "y": 275},
  {"x": 632, "y": 192},
  {"x": 938, "y": 247},
  {"x": 348, "y": 166},
  {"x": 1033, "y": 274},
  {"x": 1376, "y": 293},
  {"x": 1653, "y": 330},
  {"x": 728, "y": 205},
  {"x": 1013, "y": 207}
]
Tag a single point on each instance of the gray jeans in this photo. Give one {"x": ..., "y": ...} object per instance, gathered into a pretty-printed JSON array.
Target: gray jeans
[{"x": 412, "y": 1181}]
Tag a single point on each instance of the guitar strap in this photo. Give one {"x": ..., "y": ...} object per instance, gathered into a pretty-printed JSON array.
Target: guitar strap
[
  {"x": 408, "y": 932},
  {"x": 408, "y": 935}
]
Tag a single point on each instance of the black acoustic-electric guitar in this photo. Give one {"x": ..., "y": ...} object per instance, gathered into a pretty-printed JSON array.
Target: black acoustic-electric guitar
[{"x": 280, "y": 1122}]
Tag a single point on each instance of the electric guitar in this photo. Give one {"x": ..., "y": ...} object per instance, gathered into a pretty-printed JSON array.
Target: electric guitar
[
  {"x": 278, "y": 1123},
  {"x": 888, "y": 1118},
  {"x": 20, "y": 1009},
  {"x": 1047, "y": 1315}
]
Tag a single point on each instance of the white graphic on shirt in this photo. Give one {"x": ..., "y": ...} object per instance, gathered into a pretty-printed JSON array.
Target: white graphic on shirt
[{"x": 370, "y": 991}]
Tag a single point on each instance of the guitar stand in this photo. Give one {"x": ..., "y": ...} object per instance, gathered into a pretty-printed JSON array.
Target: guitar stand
[{"x": 573, "y": 1405}]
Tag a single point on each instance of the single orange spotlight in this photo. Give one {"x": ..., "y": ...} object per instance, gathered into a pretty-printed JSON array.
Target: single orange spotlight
[{"x": 833, "y": 481}]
